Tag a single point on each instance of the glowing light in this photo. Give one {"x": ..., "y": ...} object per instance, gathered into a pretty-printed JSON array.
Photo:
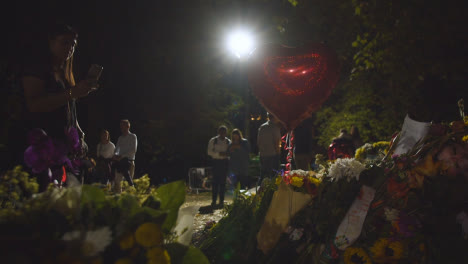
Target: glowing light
[{"x": 240, "y": 43}]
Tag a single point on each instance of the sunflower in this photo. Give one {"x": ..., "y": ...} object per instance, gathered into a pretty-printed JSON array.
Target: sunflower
[
  {"x": 465, "y": 138},
  {"x": 149, "y": 235},
  {"x": 384, "y": 251},
  {"x": 353, "y": 255},
  {"x": 315, "y": 181},
  {"x": 158, "y": 255}
]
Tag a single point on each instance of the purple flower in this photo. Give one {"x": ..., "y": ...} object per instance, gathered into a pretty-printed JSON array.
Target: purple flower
[
  {"x": 73, "y": 139},
  {"x": 45, "y": 153},
  {"x": 37, "y": 136},
  {"x": 406, "y": 225}
]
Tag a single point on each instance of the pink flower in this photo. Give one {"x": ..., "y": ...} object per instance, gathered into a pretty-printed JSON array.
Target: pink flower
[{"x": 454, "y": 159}]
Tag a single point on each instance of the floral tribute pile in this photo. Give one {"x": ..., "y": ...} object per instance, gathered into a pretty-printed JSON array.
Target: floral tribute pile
[
  {"x": 88, "y": 224},
  {"x": 375, "y": 208}
]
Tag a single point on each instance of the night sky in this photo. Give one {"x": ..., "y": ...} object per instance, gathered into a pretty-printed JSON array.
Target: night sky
[{"x": 151, "y": 50}]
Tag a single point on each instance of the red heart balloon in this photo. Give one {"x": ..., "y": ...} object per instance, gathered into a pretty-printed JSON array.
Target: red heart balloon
[{"x": 292, "y": 83}]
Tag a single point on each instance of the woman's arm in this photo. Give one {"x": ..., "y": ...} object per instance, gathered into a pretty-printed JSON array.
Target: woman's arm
[{"x": 36, "y": 98}]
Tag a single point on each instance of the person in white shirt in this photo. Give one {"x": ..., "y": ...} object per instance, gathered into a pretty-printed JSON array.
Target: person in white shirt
[
  {"x": 124, "y": 156},
  {"x": 269, "y": 144},
  {"x": 217, "y": 150},
  {"x": 105, "y": 152}
]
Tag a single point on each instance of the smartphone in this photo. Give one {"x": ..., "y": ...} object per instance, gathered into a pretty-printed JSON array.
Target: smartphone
[{"x": 94, "y": 73}]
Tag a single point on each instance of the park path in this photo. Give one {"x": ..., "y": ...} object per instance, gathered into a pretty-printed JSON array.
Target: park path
[{"x": 203, "y": 199}]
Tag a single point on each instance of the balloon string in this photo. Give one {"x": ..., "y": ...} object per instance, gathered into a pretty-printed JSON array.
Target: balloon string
[{"x": 288, "y": 142}]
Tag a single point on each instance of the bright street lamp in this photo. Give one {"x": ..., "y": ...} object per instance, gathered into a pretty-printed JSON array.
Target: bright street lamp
[{"x": 241, "y": 43}]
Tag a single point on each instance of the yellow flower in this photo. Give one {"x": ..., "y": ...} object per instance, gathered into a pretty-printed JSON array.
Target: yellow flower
[
  {"x": 356, "y": 255},
  {"x": 278, "y": 181},
  {"x": 397, "y": 248},
  {"x": 360, "y": 153},
  {"x": 315, "y": 181},
  {"x": 384, "y": 251},
  {"x": 381, "y": 144},
  {"x": 297, "y": 181},
  {"x": 158, "y": 255},
  {"x": 124, "y": 261},
  {"x": 149, "y": 235},
  {"x": 127, "y": 241},
  {"x": 465, "y": 138}
]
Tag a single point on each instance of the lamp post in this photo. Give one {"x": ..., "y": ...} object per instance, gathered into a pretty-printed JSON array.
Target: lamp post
[{"x": 241, "y": 44}]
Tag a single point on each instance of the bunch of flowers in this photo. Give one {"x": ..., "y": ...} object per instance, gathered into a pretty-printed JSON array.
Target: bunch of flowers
[
  {"x": 346, "y": 168},
  {"x": 300, "y": 180},
  {"x": 15, "y": 188},
  {"x": 84, "y": 224},
  {"x": 374, "y": 151}
]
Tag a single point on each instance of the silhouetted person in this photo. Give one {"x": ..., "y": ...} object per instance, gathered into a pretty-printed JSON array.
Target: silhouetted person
[
  {"x": 269, "y": 144},
  {"x": 238, "y": 152},
  {"x": 217, "y": 150},
  {"x": 50, "y": 90},
  {"x": 104, "y": 153},
  {"x": 356, "y": 137},
  {"x": 124, "y": 156},
  {"x": 341, "y": 146}
]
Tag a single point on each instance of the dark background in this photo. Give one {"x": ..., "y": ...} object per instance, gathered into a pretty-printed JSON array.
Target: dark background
[
  {"x": 159, "y": 57},
  {"x": 167, "y": 70}
]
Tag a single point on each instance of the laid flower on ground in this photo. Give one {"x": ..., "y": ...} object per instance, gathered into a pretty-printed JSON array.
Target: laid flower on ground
[
  {"x": 93, "y": 243},
  {"x": 297, "y": 181},
  {"x": 354, "y": 255},
  {"x": 346, "y": 168},
  {"x": 385, "y": 251},
  {"x": 391, "y": 214}
]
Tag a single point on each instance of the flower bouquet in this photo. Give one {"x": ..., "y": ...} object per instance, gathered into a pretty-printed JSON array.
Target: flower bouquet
[
  {"x": 85, "y": 224},
  {"x": 417, "y": 211}
]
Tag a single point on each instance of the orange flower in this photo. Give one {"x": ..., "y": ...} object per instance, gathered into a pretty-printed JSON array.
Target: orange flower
[
  {"x": 397, "y": 190},
  {"x": 428, "y": 167},
  {"x": 415, "y": 180}
]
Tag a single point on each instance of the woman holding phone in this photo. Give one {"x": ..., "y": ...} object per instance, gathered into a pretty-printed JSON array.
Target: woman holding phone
[{"x": 50, "y": 90}]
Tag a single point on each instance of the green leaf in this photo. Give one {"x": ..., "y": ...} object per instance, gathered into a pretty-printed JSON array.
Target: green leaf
[
  {"x": 194, "y": 256},
  {"x": 172, "y": 196},
  {"x": 293, "y": 2},
  {"x": 92, "y": 195},
  {"x": 129, "y": 204},
  {"x": 181, "y": 254}
]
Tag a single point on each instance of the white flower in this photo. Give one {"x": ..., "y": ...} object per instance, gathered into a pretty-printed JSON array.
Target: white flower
[
  {"x": 391, "y": 214},
  {"x": 298, "y": 173},
  {"x": 349, "y": 168},
  {"x": 462, "y": 219},
  {"x": 74, "y": 235},
  {"x": 96, "y": 241}
]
